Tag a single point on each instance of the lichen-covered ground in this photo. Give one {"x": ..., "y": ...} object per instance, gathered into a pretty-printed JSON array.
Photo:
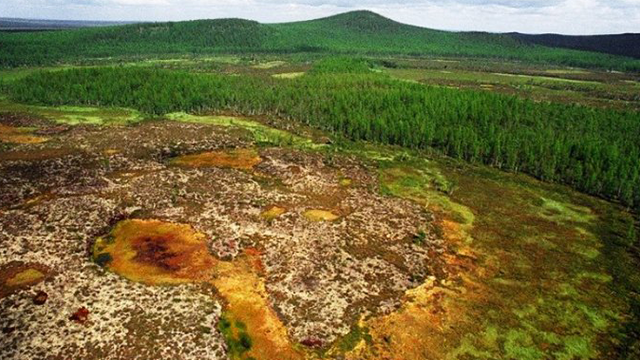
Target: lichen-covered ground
[
  {"x": 221, "y": 237},
  {"x": 335, "y": 251}
]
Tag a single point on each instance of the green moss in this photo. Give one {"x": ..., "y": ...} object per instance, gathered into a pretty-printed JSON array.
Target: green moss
[
  {"x": 291, "y": 75},
  {"x": 353, "y": 338},
  {"x": 260, "y": 132},
  {"x": 269, "y": 65},
  {"x": 422, "y": 182},
  {"x": 467, "y": 350},
  {"x": 420, "y": 238},
  {"x": 565, "y": 212},
  {"x": 551, "y": 296},
  {"x": 601, "y": 277},
  {"x": 575, "y": 347},
  {"x": 520, "y": 345},
  {"x": 567, "y": 290},
  {"x": 235, "y": 336},
  {"x": 490, "y": 336},
  {"x": 73, "y": 115},
  {"x": 596, "y": 317},
  {"x": 586, "y": 251},
  {"x": 103, "y": 259}
]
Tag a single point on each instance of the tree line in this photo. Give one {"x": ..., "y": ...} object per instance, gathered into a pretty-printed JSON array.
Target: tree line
[{"x": 596, "y": 151}]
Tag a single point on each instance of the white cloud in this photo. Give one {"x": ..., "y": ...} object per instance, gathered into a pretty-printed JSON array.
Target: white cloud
[{"x": 533, "y": 16}]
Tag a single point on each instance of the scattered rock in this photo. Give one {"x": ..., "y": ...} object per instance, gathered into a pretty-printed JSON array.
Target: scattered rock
[
  {"x": 81, "y": 316},
  {"x": 312, "y": 342},
  {"x": 40, "y": 298}
]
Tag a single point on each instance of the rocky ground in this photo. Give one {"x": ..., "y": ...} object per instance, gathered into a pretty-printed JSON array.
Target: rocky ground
[{"x": 300, "y": 244}]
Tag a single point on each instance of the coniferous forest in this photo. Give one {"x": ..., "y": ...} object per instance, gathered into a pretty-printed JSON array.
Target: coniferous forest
[
  {"x": 596, "y": 151},
  {"x": 354, "y": 33}
]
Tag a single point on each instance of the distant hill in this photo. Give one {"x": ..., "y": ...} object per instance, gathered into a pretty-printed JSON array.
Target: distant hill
[
  {"x": 358, "y": 33},
  {"x": 622, "y": 44},
  {"x": 16, "y": 24}
]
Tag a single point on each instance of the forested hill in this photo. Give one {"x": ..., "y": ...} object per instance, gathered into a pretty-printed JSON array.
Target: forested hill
[
  {"x": 360, "y": 32},
  {"x": 622, "y": 44}
]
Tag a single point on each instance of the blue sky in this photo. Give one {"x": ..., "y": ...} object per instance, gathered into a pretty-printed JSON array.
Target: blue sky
[{"x": 531, "y": 16}]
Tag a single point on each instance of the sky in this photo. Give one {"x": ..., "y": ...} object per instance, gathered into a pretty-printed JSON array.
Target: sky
[{"x": 529, "y": 16}]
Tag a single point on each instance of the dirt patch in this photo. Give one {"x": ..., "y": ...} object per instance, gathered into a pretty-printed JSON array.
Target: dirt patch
[
  {"x": 238, "y": 159},
  {"x": 33, "y": 155}
]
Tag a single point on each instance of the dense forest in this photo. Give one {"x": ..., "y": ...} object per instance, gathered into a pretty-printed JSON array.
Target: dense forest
[
  {"x": 620, "y": 44},
  {"x": 593, "y": 150},
  {"x": 360, "y": 33}
]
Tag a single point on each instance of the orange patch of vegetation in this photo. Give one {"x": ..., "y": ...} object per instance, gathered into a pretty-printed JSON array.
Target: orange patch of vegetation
[
  {"x": 273, "y": 212},
  {"x": 412, "y": 332},
  {"x": 16, "y": 276},
  {"x": 34, "y": 155},
  {"x": 345, "y": 182},
  {"x": 320, "y": 215},
  {"x": 109, "y": 152},
  {"x": 246, "y": 297},
  {"x": 256, "y": 261},
  {"x": 160, "y": 253},
  {"x": 432, "y": 313},
  {"x": 17, "y": 135},
  {"x": 155, "y": 253},
  {"x": 244, "y": 159},
  {"x": 25, "y": 277},
  {"x": 421, "y": 328}
]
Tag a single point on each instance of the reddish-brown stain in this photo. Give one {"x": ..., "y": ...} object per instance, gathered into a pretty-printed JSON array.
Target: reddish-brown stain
[
  {"x": 312, "y": 342},
  {"x": 40, "y": 298},
  {"x": 81, "y": 315}
]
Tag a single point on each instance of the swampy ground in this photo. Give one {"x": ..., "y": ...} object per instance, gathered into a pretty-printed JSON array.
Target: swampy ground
[{"x": 219, "y": 236}]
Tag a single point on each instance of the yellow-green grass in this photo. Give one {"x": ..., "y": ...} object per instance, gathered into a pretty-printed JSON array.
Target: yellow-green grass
[
  {"x": 75, "y": 115},
  {"x": 541, "y": 265},
  {"x": 261, "y": 133}
]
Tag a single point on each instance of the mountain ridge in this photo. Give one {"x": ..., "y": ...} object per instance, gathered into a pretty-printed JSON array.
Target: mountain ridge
[
  {"x": 625, "y": 44},
  {"x": 351, "y": 33}
]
